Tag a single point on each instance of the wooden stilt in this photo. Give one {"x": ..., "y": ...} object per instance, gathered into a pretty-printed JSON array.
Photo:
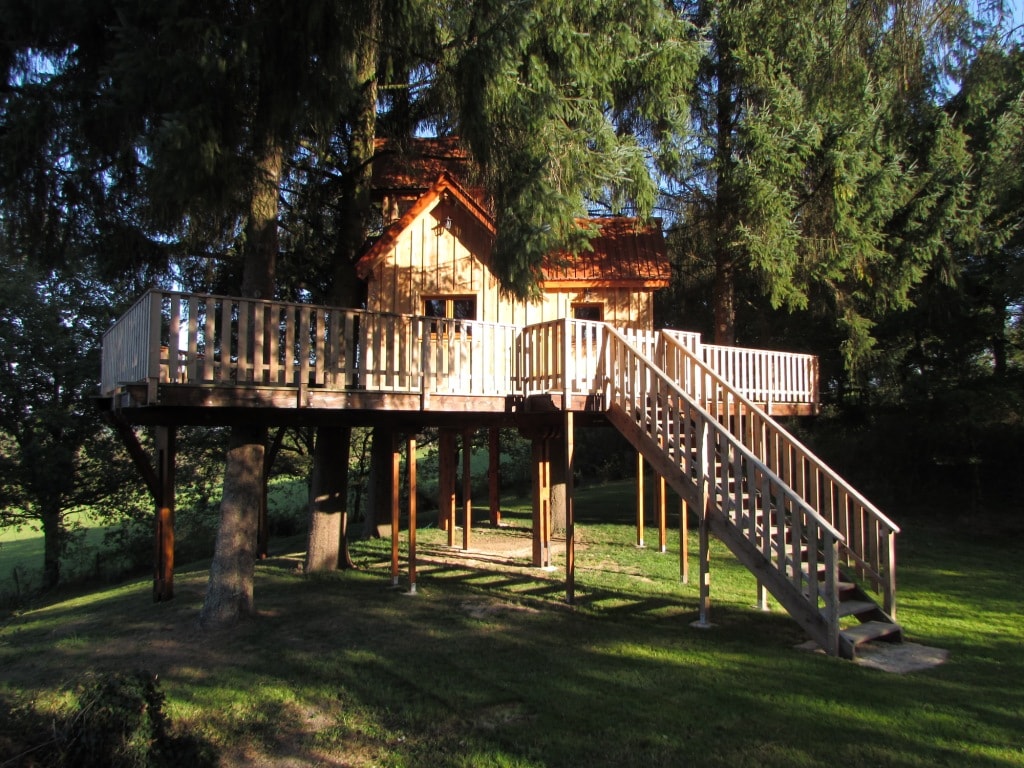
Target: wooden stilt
[
  {"x": 705, "y": 573},
  {"x": 762, "y": 597},
  {"x": 467, "y": 488},
  {"x": 163, "y": 561},
  {"x": 541, "y": 503},
  {"x": 570, "y": 512},
  {"x": 662, "y": 516},
  {"x": 639, "y": 499},
  {"x": 396, "y": 479},
  {"x": 494, "y": 474},
  {"x": 446, "y": 483},
  {"x": 684, "y": 542},
  {"x": 411, "y": 469}
]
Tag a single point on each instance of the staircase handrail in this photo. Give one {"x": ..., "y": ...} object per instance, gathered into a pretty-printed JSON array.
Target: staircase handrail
[
  {"x": 733, "y": 441},
  {"x": 777, "y": 536},
  {"x": 761, "y": 429}
]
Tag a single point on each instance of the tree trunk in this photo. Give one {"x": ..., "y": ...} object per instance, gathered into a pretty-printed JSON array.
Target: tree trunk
[
  {"x": 229, "y": 594},
  {"x": 327, "y": 546},
  {"x": 53, "y": 535},
  {"x": 378, "y": 503},
  {"x": 724, "y": 298}
]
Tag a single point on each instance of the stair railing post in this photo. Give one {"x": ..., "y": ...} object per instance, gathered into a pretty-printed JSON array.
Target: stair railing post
[
  {"x": 889, "y": 558},
  {"x": 706, "y": 502},
  {"x": 831, "y": 611}
]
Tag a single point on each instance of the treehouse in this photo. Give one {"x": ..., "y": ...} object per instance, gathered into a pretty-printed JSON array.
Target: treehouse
[{"x": 439, "y": 344}]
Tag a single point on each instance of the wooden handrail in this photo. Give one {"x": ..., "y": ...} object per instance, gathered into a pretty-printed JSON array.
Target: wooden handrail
[
  {"x": 202, "y": 339},
  {"x": 710, "y": 461},
  {"x": 868, "y": 535}
]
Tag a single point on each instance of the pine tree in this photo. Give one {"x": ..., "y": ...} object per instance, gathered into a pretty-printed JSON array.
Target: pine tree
[{"x": 824, "y": 172}]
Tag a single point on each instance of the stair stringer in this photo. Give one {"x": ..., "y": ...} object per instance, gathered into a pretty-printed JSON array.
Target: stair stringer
[{"x": 801, "y": 608}]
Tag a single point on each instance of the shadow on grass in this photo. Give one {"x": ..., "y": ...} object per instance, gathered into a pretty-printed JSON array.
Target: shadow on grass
[{"x": 486, "y": 666}]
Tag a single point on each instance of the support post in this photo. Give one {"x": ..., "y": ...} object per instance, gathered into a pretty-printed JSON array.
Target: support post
[
  {"x": 662, "y": 517},
  {"x": 163, "y": 562},
  {"x": 494, "y": 474},
  {"x": 446, "y": 483},
  {"x": 541, "y": 502},
  {"x": 639, "y": 499},
  {"x": 570, "y": 511},
  {"x": 396, "y": 479},
  {"x": 684, "y": 542},
  {"x": 467, "y": 488},
  {"x": 411, "y": 468},
  {"x": 705, "y": 572}
]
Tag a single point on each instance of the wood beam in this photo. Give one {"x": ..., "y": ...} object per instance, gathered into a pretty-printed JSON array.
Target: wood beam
[
  {"x": 659, "y": 503},
  {"x": 411, "y": 469},
  {"x": 569, "y": 438},
  {"x": 446, "y": 483},
  {"x": 540, "y": 460},
  {"x": 639, "y": 499},
  {"x": 163, "y": 561},
  {"x": 467, "y": 487},
  {"x": 684, "y": 542},
  {"x": 396, "y": 479},
  {"x": 494, "y": 474}
]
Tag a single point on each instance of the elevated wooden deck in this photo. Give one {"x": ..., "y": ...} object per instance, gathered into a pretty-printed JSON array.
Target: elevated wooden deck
[{"x": 192, "y": 358}]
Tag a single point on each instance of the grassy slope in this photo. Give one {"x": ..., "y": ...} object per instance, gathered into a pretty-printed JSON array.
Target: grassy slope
[{"x": 483, "y": 668}]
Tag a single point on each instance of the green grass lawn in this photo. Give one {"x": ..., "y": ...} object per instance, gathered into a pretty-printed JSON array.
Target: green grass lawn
[{"x": 487, "y": 666}]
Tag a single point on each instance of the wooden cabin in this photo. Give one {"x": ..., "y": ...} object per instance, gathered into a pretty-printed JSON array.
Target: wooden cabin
[
  {"x": 439, "y": 344},
  {"x": 435, "y": 260}
]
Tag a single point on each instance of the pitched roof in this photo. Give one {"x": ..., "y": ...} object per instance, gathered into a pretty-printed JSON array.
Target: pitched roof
[
  {"x": 626, "y": 252},
  {"x": 445, "y": 185},
  {"x": 418, "y": 167}
]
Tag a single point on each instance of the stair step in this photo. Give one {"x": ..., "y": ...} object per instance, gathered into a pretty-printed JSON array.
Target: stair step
[
  {"x": 872, "y": 630},
  {"x": 856, "y": 607}
]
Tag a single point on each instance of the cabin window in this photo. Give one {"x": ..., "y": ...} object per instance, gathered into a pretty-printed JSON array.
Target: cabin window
[
  {"x": 450, "y": 308},
  {"x": 588, "y": 311}
]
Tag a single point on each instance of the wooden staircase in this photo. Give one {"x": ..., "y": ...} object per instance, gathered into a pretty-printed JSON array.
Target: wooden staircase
[{"x": 810, "y": 539}]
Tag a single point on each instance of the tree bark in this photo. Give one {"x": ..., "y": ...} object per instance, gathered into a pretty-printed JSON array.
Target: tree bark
[
  {"x": 229, "y": 594},
  {"x": 378, "y": 503},
  {"x": 53, "y": 535},
  {"x": 327, "y": 546}
]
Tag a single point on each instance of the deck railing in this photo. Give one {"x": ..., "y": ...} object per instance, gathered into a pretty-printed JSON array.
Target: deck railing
[
  {"x": 761, "y": 375},
  {"x": 183, "y": 338},
  {"x": 172, "y": 337},
  {"x": 868, "y": 542}
]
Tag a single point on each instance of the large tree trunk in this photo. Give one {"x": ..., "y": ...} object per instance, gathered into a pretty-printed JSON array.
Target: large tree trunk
[
  {"x": 229, "y": 594},
  {"x": 328, "y": 525},
  {"x": 327, "y": 547},
  {"x": 378, "y": 503},
  {"x": 53, "y": 536},
  {"x": 724, "y": 298}
]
